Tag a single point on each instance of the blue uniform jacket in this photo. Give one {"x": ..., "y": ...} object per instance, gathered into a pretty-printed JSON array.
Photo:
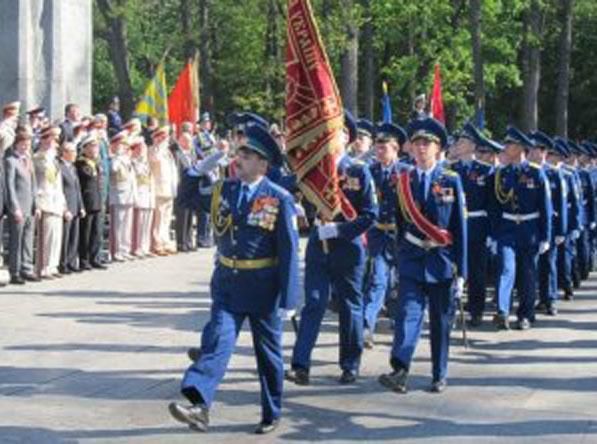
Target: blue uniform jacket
[
  {"x": 588, "y": 196},
  {"x": 357, "y": 185},
  {"x": 557, "y": 184},
  {"x": 524, "y": 190},
  {"x": 573, "y": 200},
  {"x": 445, "y": 207},
  {"x": 475, "y": 178},
  {"x": 266, "y": 229},
  {"x": 385, "y": 179}
]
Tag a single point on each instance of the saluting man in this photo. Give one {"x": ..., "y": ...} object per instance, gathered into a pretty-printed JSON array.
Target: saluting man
[
  {"x": 256, "y": 277},
  {"x": 336, "y": 258},
  {"x": 432, "y": 255},
  {"x": 521, "y": 218},
  {"x": 381, "y": 238}
]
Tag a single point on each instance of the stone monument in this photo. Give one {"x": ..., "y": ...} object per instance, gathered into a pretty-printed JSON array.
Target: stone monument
[{"x": 46, "y": 53}]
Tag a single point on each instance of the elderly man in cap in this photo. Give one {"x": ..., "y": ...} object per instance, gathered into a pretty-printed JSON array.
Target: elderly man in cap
[
  {"x": 36, "y": 121},
  {"x": 256, "y": 277},
  {"x": 381, "y": 238},
  {"x": 91, "y": 234},
  {"x": 165, "y": 181},
  {"x": 520, "y": 213},
  {"x": 336, "y": 258},
  {"x": 432, "y": 255},
  {"x": 51, "y": 203},
  {"x": 205, "y": 143},
  {"x": 121, "y": 198},
  {"x": 548, "y": 271},
  {"x": 74, "y": 205},
  {"x": 475, "y": 175},
  {"x": 144, "y": 199},
  {"x": 21, "y": 196},
  {"x": 72, "y": 116}
]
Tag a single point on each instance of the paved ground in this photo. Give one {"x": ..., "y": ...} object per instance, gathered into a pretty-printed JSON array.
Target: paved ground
[{"x": 97, "y": 357}]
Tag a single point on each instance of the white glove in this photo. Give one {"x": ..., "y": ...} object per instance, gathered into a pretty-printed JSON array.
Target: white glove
[
  {"x": 286, "y": 314},
  {"x": 489, "y": 242},
  {"x": 559, "y": 240},
  {"x": 300, "y": 211},
  {"x": 543, "y": 247},
  {"x": 328, "y": 231},
  {"x": 491, "y": 245},
  {"x": 575, "y": 234},
  {"x": 458, "y": 287},
  {"x": 593, "y": 225}
]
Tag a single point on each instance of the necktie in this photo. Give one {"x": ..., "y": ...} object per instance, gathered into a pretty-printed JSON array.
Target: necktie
[
  {"x": 423, "y": 186},
  {"x": 244, "y": 198}
]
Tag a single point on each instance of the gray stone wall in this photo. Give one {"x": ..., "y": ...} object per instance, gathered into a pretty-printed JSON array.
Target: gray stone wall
[{"x": 46, "y": 53}]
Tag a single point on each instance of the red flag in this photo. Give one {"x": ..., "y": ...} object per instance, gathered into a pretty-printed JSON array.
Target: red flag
[
  {"x": 183, "y": 103},
  {"x": 437, "y": 103},
  {"x": 314, "y": 114}
]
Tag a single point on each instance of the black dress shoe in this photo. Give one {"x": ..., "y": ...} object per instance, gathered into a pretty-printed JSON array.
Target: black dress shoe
[
  {"x": 99, "y": 266},
  {"x": 299, "y": 376},
  {"x": 395, "y": 381},
  {"x": 501, "y": 322},
  {"x": 476, "y": 321},
  {"x": 438, "y": 386},
  {"x": 74, "y": 269},
  {"x": 347, "y": 377},
  {"x": 551, "y": 310},
  {"x": 568, "y": 294},
  {"x": 194, "y": 353},
  {"x": 524, "y": 324},
  {"x": 265, "y": 427},
  {"x": 30, "y": 278},
  {"x": 196, "y": 417},
  {"x": 16, "y": 280},
  {"x": 368, "y": 340},
  {"x": 541, "y": 306}
]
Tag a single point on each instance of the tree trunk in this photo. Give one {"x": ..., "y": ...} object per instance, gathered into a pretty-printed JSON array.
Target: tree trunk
[
  {"x": 116, "y": 36},
  {"x": 564, "y": 68},
  {"x": 271, "y": 48},
  {"x": 206, "y": 69},
  {"x": 349, "y": 61},
  {"x": 190, "y": 47},
  {"x": 369, "y": 79},
  {"x": 475, "y": 26},
  {"x": 531, "y": 64}
]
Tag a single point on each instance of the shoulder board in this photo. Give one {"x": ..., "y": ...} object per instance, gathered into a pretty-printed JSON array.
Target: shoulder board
[
  {"x": 535, "y": 165},
  {"x": 482, "y": 162},
  {"x": 358, "y": 162},
  {"x": 449, "y": 172}
]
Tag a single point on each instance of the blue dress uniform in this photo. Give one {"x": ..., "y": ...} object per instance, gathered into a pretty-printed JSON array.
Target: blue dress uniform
[
  {"x": 341, "y": 267},
  {"x": 426, "y": 270},
  {"x": 256, "y": 275},
  {"x": 588, "y": 204},
  {"x": 381, "y": 238},
  {"x": 520, "y": 215},
  {"x": 548, "y": 271},
  {"x": 475, "y": 176}
]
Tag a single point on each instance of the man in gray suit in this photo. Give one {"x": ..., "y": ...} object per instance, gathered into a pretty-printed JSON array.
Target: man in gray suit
[{"x": 22, "y": 212}]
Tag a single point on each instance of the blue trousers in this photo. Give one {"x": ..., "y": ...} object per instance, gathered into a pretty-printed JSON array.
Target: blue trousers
[
  {"x": 478, "y": 261},
  {"x": 376, "y": 288},
  {"x": 566, "y": 252},
  {"x": 204, "y": 235},
  {"x": 583, "y": 253},
  {"x": 523, "y": 258},
  {"x": 412, "y": 301},
  {"x": 343, "y": 268},
  {"x": 201, "y": 379},
  {"x": 548, "y": 276}
]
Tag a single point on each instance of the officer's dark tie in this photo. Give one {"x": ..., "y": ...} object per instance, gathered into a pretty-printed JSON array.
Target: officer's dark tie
[
  {"x": 244, "y": 198},
  {"x": 422, "y": 186}
]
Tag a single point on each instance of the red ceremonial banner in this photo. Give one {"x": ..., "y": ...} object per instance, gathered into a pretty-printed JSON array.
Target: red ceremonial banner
[
  {"x": 314, "y": 114},
  {"x": 183, "y": 102},
  {"x": 437, "y": 102}
]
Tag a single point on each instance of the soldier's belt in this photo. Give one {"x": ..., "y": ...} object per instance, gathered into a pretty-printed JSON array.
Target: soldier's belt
[
  {"x": 248, "y": 264},
  {"x": 385, "y": 227},
  {"x": 478, "y": 213},
  {"x": 425, "y": 244},
  {"x": 518, "y": 218}
]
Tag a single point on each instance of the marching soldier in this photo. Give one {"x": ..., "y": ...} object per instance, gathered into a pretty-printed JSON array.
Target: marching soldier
[
  {"x": 336, "y": 258},
  {"x": 256, "y": 277},
  {"x": 381, "y": 238},
  {"x": 474, "y": 176},
  {"x": 521, "y": 216},
  {"x": 122, "y": 198},
  {"x": 91, "y": 235},
  {"x": 543, "y": 155},
  {"x": 52, "y": 204},
  {"x": 361, "y": 148},
  {"x": 432, "y": 255}
]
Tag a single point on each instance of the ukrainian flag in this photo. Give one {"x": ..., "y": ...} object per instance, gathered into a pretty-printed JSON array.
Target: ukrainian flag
[{"x": 154, "y": 102}]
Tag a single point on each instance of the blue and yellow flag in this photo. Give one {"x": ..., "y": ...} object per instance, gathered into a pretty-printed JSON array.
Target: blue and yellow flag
[
  {"x": 386, "y": 106},
  {"x": 154, "y": 102}
]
